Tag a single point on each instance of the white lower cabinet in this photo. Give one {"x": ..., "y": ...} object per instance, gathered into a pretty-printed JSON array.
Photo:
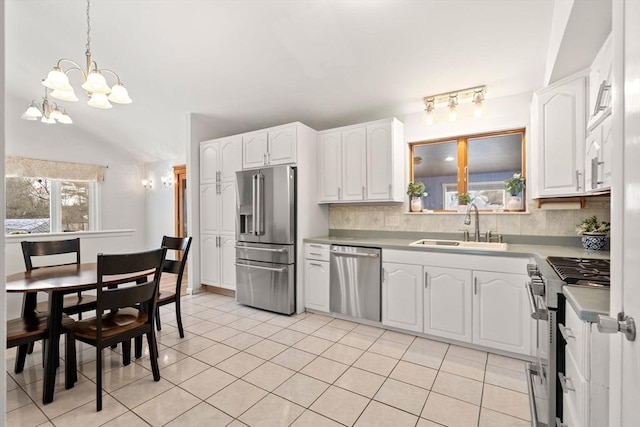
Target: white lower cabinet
[
  {"x": 402, "y": 296},
  {"x": 585, "y": 380},
  {"x": 316, "y": 277},
  {"x": 501, "y": 312},
  {"x": 447, "y": 303},
  {"x": 217, "y": 260},
  {"x": 484, "y": 303}
]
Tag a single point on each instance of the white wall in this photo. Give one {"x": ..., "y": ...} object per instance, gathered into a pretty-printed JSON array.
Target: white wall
[
  {"x": 3, "y": 315},
  {"x": 160, "y": 202}
]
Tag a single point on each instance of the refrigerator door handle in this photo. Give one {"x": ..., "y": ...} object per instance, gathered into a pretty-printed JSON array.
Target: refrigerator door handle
[
  {"x": 254, "y": 192},
  {"x": 257, "y": 267},
  {"x": 259, "y": 205},
  {"x": 262, "y": 249}
]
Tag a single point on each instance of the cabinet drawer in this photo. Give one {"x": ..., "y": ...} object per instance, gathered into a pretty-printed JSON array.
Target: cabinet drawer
[
  {"x": 316, "y": 251},
  {"x": 573, "y": 331},
  {"x": 574, "y": 389}
]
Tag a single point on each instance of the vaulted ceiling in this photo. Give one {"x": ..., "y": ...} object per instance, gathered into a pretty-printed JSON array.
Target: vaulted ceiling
[{"x": 245, "y": 65}]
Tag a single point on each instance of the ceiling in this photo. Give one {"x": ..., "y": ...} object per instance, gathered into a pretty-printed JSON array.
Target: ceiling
[{"x": 246, "y": 65}]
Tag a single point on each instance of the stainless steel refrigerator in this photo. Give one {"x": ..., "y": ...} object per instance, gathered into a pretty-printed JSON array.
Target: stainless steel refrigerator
[{"x": 265, "y": 238}]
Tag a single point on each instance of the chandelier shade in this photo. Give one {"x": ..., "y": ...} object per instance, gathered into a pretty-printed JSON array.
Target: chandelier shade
[{"x": 93, "y": 81}]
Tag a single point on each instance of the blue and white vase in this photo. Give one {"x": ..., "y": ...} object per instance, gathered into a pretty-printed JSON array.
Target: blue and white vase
[{"x": 594, "y": 241}]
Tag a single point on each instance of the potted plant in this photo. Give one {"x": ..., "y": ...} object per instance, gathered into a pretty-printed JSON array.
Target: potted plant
[
  {"x": 514, "y": 186},
  {"x": 415, "y": 190},
  {"x": 594, "y": 233}
]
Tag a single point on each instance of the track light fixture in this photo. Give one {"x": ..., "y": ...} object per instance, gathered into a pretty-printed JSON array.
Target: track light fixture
[{"x": 452, "y": 99}]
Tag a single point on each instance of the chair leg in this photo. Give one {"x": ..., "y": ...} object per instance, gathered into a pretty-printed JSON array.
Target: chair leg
[
  {"x": 21, "y": 356},
  {"x": 158, "y": 326},
  {"x": 30, "y": 349},
  {"x": 179, "y": 317},
  {"x": 126, "y": 352},
  {"x": 153, "y": 355},
  {"x": 99, "y": 379},
  {"x": 138, "y": 344},
  {"x": 71, "y": 368}
]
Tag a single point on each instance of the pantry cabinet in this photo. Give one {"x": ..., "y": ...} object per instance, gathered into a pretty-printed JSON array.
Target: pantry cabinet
[
  {"x": 361, "y": 163},
  {"x": 559, "y": 131}
]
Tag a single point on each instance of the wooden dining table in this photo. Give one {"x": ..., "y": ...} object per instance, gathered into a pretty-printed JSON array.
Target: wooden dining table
[{"x": 58, "y": 281}]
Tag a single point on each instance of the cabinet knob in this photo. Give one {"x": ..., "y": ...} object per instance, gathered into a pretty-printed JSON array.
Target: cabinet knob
[{"x": 623, "y": 323}]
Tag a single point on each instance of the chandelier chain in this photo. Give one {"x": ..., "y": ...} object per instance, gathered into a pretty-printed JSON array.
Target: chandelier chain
[{"x": 88, "y": 28}]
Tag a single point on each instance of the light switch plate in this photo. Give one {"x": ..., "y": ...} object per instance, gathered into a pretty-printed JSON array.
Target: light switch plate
[{"x": 392, "y": 221}]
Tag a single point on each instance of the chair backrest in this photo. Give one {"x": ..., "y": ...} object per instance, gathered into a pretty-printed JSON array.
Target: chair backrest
[
  {"x": 50, "y": 247},
  {"x": 181, "y": 244},
  {"x": 142, "y": 294}
]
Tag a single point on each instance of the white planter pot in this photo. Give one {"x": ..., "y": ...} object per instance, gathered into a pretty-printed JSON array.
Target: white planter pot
[
  {"x": 514, "y": 203},
  {"x": 415, "y": 204}
]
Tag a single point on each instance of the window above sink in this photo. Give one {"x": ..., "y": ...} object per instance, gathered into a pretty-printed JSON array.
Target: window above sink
[{"x": 474, "y": 164}]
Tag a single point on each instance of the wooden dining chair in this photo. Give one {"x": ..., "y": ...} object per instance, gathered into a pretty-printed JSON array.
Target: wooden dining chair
[
  {"x": 29, "y": 329},
  {"x": 73, "y": 304},
  {"x": 122, "y": 313},
  {"x": 181, "y": 246}
]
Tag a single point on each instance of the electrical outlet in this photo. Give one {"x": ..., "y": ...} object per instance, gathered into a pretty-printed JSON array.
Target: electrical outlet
[{"x": 392, "y": 221}]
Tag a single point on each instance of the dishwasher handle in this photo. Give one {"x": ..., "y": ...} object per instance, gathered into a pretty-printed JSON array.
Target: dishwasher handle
[{"x": 355, "y": 254}]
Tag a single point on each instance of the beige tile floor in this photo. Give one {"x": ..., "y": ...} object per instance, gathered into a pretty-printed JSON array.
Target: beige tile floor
[{"x": 238, "y": 366}]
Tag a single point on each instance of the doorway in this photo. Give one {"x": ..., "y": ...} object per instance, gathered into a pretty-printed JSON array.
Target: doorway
[{"x": 180, "y": 195}]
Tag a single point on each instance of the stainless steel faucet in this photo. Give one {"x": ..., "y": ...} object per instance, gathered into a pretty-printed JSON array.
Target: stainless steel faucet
[{"x": 467, "y": 220}]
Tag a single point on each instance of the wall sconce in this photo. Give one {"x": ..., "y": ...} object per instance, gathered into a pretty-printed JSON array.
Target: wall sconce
[
  {"x": 167, "y": 181},
  {"x": 452, "y": 99},
  {"x": 147, "y": 183}
]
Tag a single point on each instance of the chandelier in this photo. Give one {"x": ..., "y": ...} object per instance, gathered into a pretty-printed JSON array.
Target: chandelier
[{"x": 57, "y": 86}]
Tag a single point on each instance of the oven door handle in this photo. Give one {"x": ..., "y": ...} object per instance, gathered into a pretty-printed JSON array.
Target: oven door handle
[
  {"x": 530, "y": 371},
  {"x": 536, "y": 313}
]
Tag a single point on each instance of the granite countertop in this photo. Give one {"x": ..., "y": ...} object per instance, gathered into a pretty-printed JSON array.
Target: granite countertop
[
  {"x": 513, "y": 249},
  {"x": 587, "y": 302}
]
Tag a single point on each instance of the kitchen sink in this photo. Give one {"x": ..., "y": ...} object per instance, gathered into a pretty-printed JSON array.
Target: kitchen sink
[{"x": 459, "y": 244}]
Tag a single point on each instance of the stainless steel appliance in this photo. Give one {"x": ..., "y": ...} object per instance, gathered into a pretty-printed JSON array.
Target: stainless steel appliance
[
  {"x": 547, "y": 308},
  {"x": 266, "y": 236},
  {"x": 355, "y": 287}
]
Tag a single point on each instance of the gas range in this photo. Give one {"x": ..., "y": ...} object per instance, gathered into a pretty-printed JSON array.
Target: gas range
[{"x": 582, "y": 271}]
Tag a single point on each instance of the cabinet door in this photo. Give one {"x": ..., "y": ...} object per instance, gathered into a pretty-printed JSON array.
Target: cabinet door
[
  {"x": 209, "y": 209},
  {"x": 402, "y": 296},
  {"x": 208, "y": 161},
  {"x": 599, "y": 77},
  {"x": 230, "y": 157},
  {"x": 560, "y": 143},
  {"x": 316, "y": 285},
  {"x": 592, "y": 159},
  {"x": 227, "y": 209},
  {"x": 254, "y": 150},
  {"x": 607, "y": 152},
  {"x": 354, "y": 165},
  {"x": 282, "y": 146},
  {"x": 227, "y": 266},
  {"x": 447, "y": 303},
  {"x": 330, "y": 166},
  {"x": 501, "y": 317},
  {"x": 379, "y": 161},
  {"x": 209, "y": 259}
]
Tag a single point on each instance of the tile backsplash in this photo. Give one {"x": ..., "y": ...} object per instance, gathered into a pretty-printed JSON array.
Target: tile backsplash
[{"x": 536, "y": 222}]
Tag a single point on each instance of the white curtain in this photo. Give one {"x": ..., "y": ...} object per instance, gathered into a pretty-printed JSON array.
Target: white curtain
[{"x": 35, "y": 168}]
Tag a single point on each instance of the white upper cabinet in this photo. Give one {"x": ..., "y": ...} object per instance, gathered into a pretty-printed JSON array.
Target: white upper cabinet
[
  {"x": 330, "y": 165},
  {"x": 220, "y": 159},
  {"x": 270, "y": 147},
  {"x": 599, "y": 105},
  {"x": 559, "y": 127},
  {"x": 354, "y": 164},
  {"x": 370, "y": 164}
]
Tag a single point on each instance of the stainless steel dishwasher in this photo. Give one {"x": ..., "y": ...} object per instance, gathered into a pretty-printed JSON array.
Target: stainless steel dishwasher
[{"x": 355, "y": 288}]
